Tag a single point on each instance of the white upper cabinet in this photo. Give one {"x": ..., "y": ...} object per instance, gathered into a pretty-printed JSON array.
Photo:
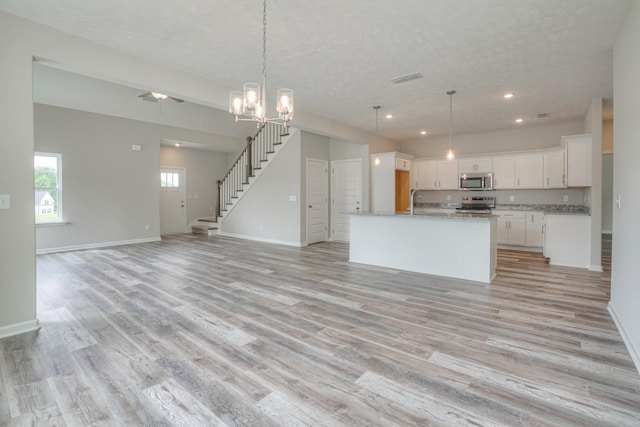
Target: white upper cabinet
[
  {"x": 426, "y": 174},
  {"x": 436, "y": 174},
  {"x": 554, "y": 175},
  {"x": 578, "y": 148},
  {"x": 448, "y": 175},
  {"x": 403, "y": 164},
  {"x": 529, "y": 171},
  {"x": 478, "y": 164},
  {"x": 504, "y": 172}
]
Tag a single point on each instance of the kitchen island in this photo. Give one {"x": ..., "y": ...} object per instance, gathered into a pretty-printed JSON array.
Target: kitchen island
[{"x": 462, "y": 246}]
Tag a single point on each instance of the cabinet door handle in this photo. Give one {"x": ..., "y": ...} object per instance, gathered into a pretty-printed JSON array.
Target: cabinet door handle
[
  {"x": 547, "y": 180},
  {"x": 518, "y": 182}
]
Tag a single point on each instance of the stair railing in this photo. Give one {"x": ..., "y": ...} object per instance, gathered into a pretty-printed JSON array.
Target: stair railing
[{"x": 252, "y": 158}]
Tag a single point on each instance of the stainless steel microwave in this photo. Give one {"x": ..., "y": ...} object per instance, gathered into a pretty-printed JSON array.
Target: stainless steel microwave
[{"x": 476, "y": 181}]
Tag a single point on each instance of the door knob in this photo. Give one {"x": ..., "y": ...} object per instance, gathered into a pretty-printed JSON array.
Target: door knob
[{"x": 310, "y": 206}]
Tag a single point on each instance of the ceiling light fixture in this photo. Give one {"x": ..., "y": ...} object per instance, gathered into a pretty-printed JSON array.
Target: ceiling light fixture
[
  {"x": 376, "y": 160},
  {"x": 158, "y": 95},
  {"x": 519, "y": 120},
  {"x": 389, "y": 116},
  {"x": 423, "y": 132},
  {"x": 508, "y": 95},
  {"x": 450, "y": 154},
  {"x": 253, "y": 99},
  {"x": 177, "y": 144}
]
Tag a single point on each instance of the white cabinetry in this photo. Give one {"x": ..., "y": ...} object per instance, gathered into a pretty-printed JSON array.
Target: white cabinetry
[
  {"x": 386, "y": 188},
  {"x": 567, "y": 240},
  {"x": 426, "y": 174},
  {"x": 436, "y": 174},
  {"x": 529, "y": 173},
  {"x": 403, "y": 164},
  {"x": 504, "y": 172},
  {"x": 578, "y": 148},
  {"x": 448, "y": 175},
  {"x": 511, "y": 227},
  {"x": 534, "y": 229},
  {"x": 479, "y": 164},
  {"x": 554, "y": 176}
]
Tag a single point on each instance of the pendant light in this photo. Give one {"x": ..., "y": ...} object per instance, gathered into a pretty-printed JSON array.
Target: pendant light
[
  {"x": 450, "y": 154},
  {"x": 376, "y": 160}
]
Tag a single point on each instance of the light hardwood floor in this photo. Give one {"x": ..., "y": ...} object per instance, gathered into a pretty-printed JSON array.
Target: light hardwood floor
[{"x": 206, "y": 331}]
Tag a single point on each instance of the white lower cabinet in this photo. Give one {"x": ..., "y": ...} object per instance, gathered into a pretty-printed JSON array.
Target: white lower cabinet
[
  {"x": 511, "y": 228},
  {"x": 534, "y": 229}
]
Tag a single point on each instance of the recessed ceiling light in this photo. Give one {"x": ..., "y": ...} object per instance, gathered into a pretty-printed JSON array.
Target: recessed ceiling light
[
  {"x": 177, "y": 144},
  {"x": 158, "y": 95},
  {"x": 389, "y": 116},
  {"x": 519, "y": 120},
  {"x": 423, "y": 132},
  {"x": 508, "y": 95}
]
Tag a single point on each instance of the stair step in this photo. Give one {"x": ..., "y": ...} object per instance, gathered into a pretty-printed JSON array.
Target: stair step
[{"x": 208, "y": 230}]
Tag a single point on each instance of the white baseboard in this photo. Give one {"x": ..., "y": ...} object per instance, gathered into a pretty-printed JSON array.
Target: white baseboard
[
  {"x": 260, "y": 239},
  {"x": 95, "y": 245},
  {"x": 597, "y": 268},
  {"x": 635, "y": 355},
  {"x": 19, "y": 328}
]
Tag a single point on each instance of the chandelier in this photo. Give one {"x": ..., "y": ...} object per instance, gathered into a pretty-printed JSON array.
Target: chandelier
[{"x": 249, "y": 105}]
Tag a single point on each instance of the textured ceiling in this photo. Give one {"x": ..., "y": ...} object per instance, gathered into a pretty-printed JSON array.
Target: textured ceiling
[{"x": 339, "y": 56}]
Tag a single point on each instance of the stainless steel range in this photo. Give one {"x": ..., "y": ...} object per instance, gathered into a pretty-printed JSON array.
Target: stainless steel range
[{"x": 477, "y": 205}]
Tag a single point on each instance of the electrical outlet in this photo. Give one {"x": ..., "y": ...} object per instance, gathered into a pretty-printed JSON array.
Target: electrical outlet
[
  {"x": 512, "y": 198},
  {"x": 565, "y": 198},
  {"x": 147, "y": 228},
  {"x": 448, "y": 198}
]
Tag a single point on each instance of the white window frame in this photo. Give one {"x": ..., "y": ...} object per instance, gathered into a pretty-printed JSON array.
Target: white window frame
[{"x": 58, "y": 188}]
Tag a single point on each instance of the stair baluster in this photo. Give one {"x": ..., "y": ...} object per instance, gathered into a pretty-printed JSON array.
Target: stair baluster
[{"x": 253, "y": 157}]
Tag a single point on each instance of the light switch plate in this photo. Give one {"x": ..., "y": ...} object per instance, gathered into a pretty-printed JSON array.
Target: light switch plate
[{"x": 5, "y": 201}]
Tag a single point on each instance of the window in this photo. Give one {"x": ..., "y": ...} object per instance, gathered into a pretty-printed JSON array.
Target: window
[
  {"x": 48, "y": 187},
  {"x": 169, "y": 179}
]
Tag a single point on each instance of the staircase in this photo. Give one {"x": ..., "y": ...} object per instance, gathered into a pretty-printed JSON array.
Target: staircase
[{"x": 260, "y": 149}]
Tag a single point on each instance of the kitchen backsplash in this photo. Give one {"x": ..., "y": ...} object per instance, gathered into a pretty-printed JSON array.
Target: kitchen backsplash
[{"x": 563, "y": 196}]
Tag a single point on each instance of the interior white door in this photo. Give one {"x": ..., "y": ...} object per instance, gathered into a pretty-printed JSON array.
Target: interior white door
[
  {"x": 173, "y": 215},
  {"x": 317, "y": 200},
  {"x": 346, "y": 195}
]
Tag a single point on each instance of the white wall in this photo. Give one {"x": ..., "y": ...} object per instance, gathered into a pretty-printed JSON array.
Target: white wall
[
  {"x": 625, "y": 287},
  {"x": 203, "y": 168},
  {"x": 526, "y": 138},
  {"x": 17, "y": 231},
  {"x": 265, "y": 212},
  {"x": 109, "y": 192}
]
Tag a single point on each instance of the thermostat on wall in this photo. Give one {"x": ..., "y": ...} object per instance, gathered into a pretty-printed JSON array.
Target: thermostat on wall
[{"x": 136, "y": 147}]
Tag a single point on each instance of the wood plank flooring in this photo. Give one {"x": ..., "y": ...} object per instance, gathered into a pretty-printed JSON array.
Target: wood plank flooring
[{"x": 213, "y": 331}]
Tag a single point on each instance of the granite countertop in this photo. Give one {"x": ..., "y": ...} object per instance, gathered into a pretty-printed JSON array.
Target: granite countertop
[
  {"x": 441, "y": 215},
  {"x": 549, "y": 209}
]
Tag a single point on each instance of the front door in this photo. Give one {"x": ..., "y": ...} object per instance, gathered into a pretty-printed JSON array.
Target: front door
[
  {"x": 346, "y": 195},
  {"x": 317, "y": 195},
  {"x": 173, "y": 215}
]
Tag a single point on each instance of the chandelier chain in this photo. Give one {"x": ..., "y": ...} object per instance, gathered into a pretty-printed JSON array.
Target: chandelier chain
[{"x": 264, "y": 39}]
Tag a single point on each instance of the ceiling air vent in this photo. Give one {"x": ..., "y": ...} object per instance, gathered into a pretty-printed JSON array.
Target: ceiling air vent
[
  {"x": 543, "y": 115},
  {"x": 407, "y": 78}
]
